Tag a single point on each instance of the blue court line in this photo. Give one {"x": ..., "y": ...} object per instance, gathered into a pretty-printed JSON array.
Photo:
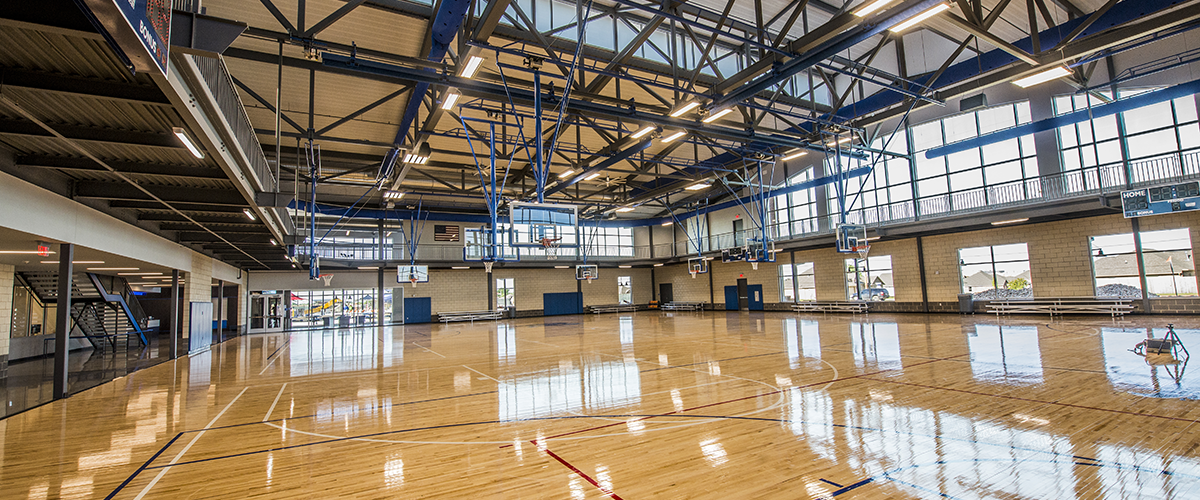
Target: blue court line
[
  {"x": 859, "y": 484},
  {"x": 143, "y": 467},
  {"x": 830, "y": 482}
]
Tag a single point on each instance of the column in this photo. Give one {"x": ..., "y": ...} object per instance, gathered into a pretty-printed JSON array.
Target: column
[
  {"x": 6, "y": 314},
  {"x": 173, "y": 341},
  {"x": 66, "y": 252}
]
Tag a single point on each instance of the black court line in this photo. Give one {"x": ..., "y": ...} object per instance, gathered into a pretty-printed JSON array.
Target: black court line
[
  {"x": 823, "y": 480},
  {"x": 143, "y": 467},
  {"x": 854, "y": 486},
  {"x": 244, "y": 424},
  {"x": 713, "y": 361}
]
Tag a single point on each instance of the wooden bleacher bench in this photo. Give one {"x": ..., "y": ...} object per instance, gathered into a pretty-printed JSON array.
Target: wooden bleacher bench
[
  {"x": 1062, "y": 305},
  {"x": 854, "y": 307},
  {"x": 613, "y": 308},
  {"x": 683, "y": 306},
  {"x": 447, "y": 317}
]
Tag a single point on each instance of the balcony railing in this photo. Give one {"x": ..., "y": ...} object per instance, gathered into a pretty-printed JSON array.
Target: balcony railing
[
  {"x": 1078, "y": 184},
  {"x": 215, "y": 77}
]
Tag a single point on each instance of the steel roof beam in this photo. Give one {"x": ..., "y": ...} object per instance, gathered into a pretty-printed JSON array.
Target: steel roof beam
[
  {"x": 78, "y": 163},
  {"x": 84, "y": 87},
  {"x": 92, "y": 134},
  {"x": 170, "y": 194}
]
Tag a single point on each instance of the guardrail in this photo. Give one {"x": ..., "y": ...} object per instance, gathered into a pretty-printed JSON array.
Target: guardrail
[
  {"x": 1085, "y": 183},
  {"x": 215, "y": 77}
]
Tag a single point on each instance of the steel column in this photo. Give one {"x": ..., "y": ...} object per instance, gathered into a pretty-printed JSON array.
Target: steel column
[{"x": 66, "y": 252}]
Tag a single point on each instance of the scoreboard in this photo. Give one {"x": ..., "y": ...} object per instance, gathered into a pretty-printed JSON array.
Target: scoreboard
[
  {"x": 1159, "y": 200},
  {"x": 139, "y": 30}
]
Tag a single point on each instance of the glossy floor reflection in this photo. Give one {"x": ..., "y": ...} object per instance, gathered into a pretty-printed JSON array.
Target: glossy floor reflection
[{"x": 638, "y": 405}]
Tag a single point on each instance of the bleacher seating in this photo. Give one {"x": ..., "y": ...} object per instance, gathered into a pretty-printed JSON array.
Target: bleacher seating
[
  {"x": 683, "y": 306},
  {"x": 472, "y": 316},
  {"x": 613, "y": 308},
  {"x": 854, "y": 307},
  {"x": 1062, "y": 305}
]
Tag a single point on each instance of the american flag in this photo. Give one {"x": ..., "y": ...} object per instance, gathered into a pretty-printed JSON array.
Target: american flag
[{"x": 445, "y": 233}]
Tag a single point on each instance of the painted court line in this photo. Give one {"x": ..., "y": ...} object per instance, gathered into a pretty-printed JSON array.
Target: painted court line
[
  {"x": 481, "y": 373},
  {"x": 273, "y": 403},
  {"x": 428, "y": 349},
  {"x": 579, "y": 472},
  {"x": 274, "y": 358},
  {"x": 185, "y": 449}
]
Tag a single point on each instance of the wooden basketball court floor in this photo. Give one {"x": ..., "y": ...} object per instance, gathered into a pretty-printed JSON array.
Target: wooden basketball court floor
[{"x": 637, "y": 405}]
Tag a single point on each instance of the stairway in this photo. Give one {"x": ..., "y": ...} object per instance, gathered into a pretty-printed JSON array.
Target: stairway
[{"x": 103, "y": 308}]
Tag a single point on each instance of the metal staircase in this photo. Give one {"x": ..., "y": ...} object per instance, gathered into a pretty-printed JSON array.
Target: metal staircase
[{"x": 103, "y": 308}]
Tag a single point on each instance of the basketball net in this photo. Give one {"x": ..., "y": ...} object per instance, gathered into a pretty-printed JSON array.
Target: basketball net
[
  {"x": 328, "y": 278},
  {"x": 693, "y": 273},
  {"x": 754, "y": 265},
  {"x": 487, "y": 266},
  {"x": 413, "y": 280},
  {"x": 862, "y": 251},
  {"x": 551, "y": 248}
]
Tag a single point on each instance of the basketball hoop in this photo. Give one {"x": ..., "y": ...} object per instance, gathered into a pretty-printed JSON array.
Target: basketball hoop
[
  {"x": 328, "y": 278},
  {"x": 862, "y": 251},
  {"x": 551, "y": 247},
  {"x": 487, "y": 266},
  {"x": 590, "y": 280},
  {"x": 693, "y": 273},
  {"x": 754, "y": 265}
]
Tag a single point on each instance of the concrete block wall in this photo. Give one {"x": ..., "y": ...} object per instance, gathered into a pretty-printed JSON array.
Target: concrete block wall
[
  {"x": 450, "y": 289},
  {"x": 530, "y": 284},
  {"x": 603, "y": 290},
  {"x": 197, "y": 288},
  {"x": 6, "y": 314},
  {"x": 684, "y": 288}
]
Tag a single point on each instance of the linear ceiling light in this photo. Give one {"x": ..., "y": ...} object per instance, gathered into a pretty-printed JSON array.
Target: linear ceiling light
[
  {"x": 717, "y": 116},
  {"x": 249, "y": 213},
  {"x": 274, "y": 243},
  {"x": 460, "y": 267},
  {"x": 566, "y": 174},
  {"x": 148, "y": 275},
  {"x": 839, "y": 141},
  {"x": 448, "y": 102},
  {"x": 674, "y": 136},
  {"x": 660, "y": 264},
  {"x": 392, "y": 195},
  {"x": 22, "y": 252},
  {"x": 187, "y": 141},
  {"x": 685, "y": 108},
  {"x": 471, "y": 67},
  {"x": 914, "y": 20},
  {"x": 1042, "y": 77},
  {"x": 625, "y": 267},
  {"x": 112, "y": 269},
  {"x": 697, "y": 187},
  {"x": 667, "y": 223},
  {"x": 645, "y": 130},
  {"x": 593, "y": 176},
  {"x": 625, "y": 209},
  {"x": 874, "y": 6},
  {"x": 1013, "y": 221},
  {"x": 562, "y": 267},
  {"x": 795, "y": 153},
  {"x": 75, "y": 262}
]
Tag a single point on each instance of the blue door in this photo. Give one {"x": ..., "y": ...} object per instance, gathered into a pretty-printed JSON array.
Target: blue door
[
  {"x": 417, "y": 310},
  {"x": 756, "y": 297},
  {"x": 731, "y": 298}
]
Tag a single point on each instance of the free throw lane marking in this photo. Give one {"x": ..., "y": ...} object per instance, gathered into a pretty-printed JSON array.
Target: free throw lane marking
[{"x": 185, "y": 449}]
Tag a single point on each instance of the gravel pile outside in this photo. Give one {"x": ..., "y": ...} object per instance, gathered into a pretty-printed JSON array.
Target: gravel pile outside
[
  {"x": 1117, "y": 290},
  {"x": 1004, "y": 293}
]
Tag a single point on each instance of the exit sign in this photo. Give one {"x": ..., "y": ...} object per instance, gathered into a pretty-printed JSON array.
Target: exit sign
[{"x": 43, "y": 249}]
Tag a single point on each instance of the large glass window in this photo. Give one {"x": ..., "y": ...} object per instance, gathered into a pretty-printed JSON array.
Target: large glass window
[
  {"x": 624, "y": 290},
  {"x": 870, "y": 279},
  {"x": 506, "y": 292},
  {"x": 608, "y": 241},
  {"x": 795, "y": 213},
  {"x": 797, "y": 278},
  {"x": 337, "y": 308},
  {"x": 957, "y": 181},
  {"x": 1156, "y": 137},
  {"x": 1003, "y": 267},
  {"x": 1166, "y": 258},
  {"x": 885, "y": 193}
]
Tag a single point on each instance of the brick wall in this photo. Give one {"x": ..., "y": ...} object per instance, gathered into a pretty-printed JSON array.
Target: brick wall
[
  {"x": 6, "y": 314},
  {"x": 451, "y": 289},
  {"x": 684, "y": 288}
]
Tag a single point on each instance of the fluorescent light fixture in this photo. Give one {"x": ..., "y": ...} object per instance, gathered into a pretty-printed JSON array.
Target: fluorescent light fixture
[
  {"x": 795, "y": 153},
  {"x": 249, "y": 213},
  {"x": 22, "y": 252},
  {"x": 368, "y": 268},
  {"x": 667, "y": 223},
  {"x": 1014, "y": 221},
  {"x": 593, "y": 176},
  {"x": 625, "y": 209},
  {"x": 461, "y": 267},
  {"x": 75, "y": 262},
  {"x": 1042, "y": 77},
  {"x": 645, "y": 130},
  {"x": 140, "y": 274},
  {"x": 274, "y": 243},
  {"x": 347, "y": 232},
  {"x": 839, "y": 141},
  {"x": 392, "y": 195},
  {"x": 420, "y": 156},
  {"x": 872, "y": 7},
  {"x": 624, "y": 267},
  {"x": 697, "y": 187},
  {"x": 717, "y": 116},
  {"x": 471, "y": 67},
  {"x": 562, "y": 267},
  {"x": 187, "y": 141},
  {"x": 914, "y": 20},
  {"x": 873, "y": 238},
  {"x": 674, "y": 136},
  {"x": 448, "y": 103},
  {"x": 685, "y": 108},
  {"x": 660, "y": 264},
  {"x": 112, "y": 269},
  {"x": 566, "y": 174}
]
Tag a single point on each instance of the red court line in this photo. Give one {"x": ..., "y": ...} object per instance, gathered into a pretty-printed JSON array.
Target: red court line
[
  {"x": 1150, "y": 415},
  {"x": 823, "y": 382},
  {"x": 581, "y": 474}
]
